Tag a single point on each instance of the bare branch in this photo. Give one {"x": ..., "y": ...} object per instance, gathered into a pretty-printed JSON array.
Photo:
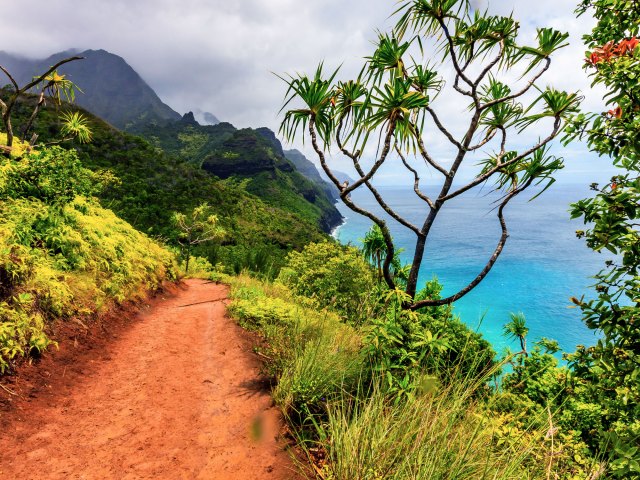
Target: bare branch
[
  {"x": 488, "y": 68},
  {"x": 416, "y": 182},
  {"x": 372, "y": 189},
  {"x": 452, "y": 52},
  {"x": 441, "y": 127},
  {"x": 13, "y": 81},
  {"x": 487, "y": 268},
  {"x": 344, "y": 195},
  {"x": 376, "y": 165},
  {"x": 25, "y": 130},
  {"x": 428, "y": 159},
  {"x": 37, "y": 80},
  {"x": 486, "y": 140}
]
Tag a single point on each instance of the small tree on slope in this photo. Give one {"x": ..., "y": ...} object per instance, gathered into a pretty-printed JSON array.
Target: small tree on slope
[
  {"x": 195, "y": 228},
  {"x": 391, "y": 106}
]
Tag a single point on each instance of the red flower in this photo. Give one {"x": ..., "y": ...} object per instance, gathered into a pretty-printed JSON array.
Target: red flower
[{"x": 616, "y": 112}]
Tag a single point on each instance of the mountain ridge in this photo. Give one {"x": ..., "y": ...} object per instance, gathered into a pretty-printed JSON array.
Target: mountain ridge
[{"x": 111, "y": 88}]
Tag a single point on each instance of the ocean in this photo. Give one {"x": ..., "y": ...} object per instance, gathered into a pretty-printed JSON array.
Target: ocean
[{"x": 542, "y": 265}]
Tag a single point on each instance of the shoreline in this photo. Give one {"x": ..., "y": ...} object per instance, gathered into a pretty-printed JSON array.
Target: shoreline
[{"x": 334, "y": 231}]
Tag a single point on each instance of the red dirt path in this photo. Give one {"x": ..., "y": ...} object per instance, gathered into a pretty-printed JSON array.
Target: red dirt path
[{"x": 174, "y": 394}]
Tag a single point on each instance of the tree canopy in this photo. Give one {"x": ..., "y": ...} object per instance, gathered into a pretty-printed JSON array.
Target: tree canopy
[{"x": 391, "y": 108}]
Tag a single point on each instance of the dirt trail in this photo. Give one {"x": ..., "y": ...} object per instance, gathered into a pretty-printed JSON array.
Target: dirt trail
[{"x": 176, "y": 395}]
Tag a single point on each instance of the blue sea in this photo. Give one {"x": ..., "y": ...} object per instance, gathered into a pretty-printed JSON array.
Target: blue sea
[{"x": 542, "y": 265}]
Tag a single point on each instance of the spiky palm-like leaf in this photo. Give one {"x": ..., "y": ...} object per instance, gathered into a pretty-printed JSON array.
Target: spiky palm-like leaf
[{"x": 76, "y": 125}]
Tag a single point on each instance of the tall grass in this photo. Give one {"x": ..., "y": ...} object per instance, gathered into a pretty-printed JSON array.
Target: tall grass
[
  {"x": 440, "y": 434},
  {"x": 354, "y": 424}
]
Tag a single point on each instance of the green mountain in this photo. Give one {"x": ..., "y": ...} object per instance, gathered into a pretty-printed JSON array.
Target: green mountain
[
  {"x": 152, "y": 184},
  {"x": 116, "y": 93},
  {"x": 111, "y": 89},
  {"x": 307, "y": 168},
  {"x": 251, "y": 157}
]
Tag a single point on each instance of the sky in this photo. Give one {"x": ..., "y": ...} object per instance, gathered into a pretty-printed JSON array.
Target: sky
[{"x": 222, "y": 56}]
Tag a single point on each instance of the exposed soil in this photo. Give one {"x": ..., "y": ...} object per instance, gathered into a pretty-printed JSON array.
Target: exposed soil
[{"x": 171, "y": 393}]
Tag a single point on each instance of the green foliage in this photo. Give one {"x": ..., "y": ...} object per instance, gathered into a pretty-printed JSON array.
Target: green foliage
[
  {"x": 311, "y": 354},
  {"x": 405, "y": 346},
  {"x": 252, "y": 157},
  {"x": 610, "y": 371},
  {"x": 75, "y": 125},
  {"x": 53, "y": 175},
  {"x": 442, "y": 433},
  {"x": 375, "y": 252},
  {"x": 61, "y": 254},
  {"x": 332, "y": 275},
  {"x": 405, "y": 395},
  {"x": 152, "y": 185},
  {"x": 389, "y": 108}
]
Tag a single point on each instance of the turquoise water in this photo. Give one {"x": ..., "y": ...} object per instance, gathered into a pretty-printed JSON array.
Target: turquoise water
[{"x": 541, "y": 266}]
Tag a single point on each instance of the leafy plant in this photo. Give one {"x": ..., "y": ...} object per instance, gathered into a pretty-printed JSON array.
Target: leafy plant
[
  {"x": 390, "y": 107},
  {"x": 53, "y": 85},
  {"x": 200, "y": 226},
  {"x": 334, "y": 276},
  {"x": 610, "y": 370}
]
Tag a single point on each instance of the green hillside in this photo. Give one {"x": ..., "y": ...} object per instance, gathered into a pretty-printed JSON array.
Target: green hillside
[
  {"x": 254, "y": 157},
  {"x": 152, "y": 184}
]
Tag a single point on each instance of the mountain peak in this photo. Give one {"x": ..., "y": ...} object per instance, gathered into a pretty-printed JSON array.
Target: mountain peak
[
  {"x": 189, "y": 118},
  {"x": 113, "y": 90}
]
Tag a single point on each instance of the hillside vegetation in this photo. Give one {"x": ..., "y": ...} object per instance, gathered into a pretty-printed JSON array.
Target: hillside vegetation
[
  {"x": 150, "y": 185},
  {"x": 254, "y": 157},
  {"x": 61, "y": 254}
]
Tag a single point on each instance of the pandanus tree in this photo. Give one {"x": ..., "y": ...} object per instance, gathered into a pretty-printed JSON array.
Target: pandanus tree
[
  {"x": 52, "y": 85},
  {"x": 517, "y": 328},
  {"x": 391, "y": 107}
]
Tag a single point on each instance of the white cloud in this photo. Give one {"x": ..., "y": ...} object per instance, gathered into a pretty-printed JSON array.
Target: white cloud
[{"x": 218, "y": 55}]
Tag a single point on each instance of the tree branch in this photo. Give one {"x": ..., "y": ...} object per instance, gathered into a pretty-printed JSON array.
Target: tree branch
[
  {"x": 441, "y": 127},
  {"x": 452, "y": 52},
  {"x": 481, "y": 178},
  {"x": 486, "y": 140},
  {"x": 51, "y": 69},
  {"x": 372, "y": 189},
  {"x": 498, "y": 250},
  {"x": 376, "y": 165},
  {"x": 344, "y": 195},
  {"x": 488, "y": 68},
  {"x": 416, "y": 182},
  {"x": 11, "y": 79},
  {"x": 521, "y": 92}
]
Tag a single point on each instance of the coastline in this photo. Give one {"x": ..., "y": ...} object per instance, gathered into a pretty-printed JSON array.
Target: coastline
[{"x": 334, "y": 231}]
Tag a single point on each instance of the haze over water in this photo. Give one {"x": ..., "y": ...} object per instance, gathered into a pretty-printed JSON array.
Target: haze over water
[{"x": 542, "y": 265}]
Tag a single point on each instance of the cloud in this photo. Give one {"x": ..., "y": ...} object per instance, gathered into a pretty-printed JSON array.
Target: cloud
[{"x": 219, "y": 55}]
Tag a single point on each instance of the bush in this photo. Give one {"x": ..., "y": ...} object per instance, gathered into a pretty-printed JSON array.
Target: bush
[
  {"x": 53, "y": 175},
  {"x": 334, "y": 276},
  {"x": 63, "y": 255}
]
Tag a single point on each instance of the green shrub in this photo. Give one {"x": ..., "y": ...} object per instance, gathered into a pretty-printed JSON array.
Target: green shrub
[
  {"x": 52, "y": 175},
  {"x": 334, "y": 276},
  {"x": 61, "y": 254}
]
